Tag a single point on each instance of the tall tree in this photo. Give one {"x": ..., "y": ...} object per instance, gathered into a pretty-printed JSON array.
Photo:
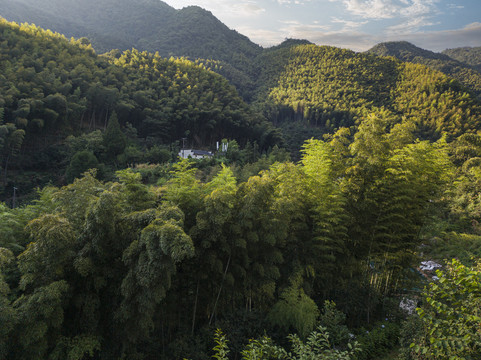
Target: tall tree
[{"x": 115, "y": 140}]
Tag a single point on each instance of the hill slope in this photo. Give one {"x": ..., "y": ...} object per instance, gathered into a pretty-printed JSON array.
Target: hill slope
[
  {"x": 51, "y": 88},
  {"x": 108, "y": 24},
  {"x": 152, "y": 25},
  {"x": 320, "y": 88},
  {"x": 327, "y": 88},
  {"x": 149, "y": 25},
  {"x": 454, "y": 67},
  {"x": 467, "y": 55}
]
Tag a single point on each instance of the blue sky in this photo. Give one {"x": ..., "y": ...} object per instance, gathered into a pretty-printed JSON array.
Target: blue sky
[{"x": 354, "y": 24}]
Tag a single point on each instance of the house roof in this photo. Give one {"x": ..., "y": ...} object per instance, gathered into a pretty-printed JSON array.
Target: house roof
[{"x": 201, "y": 152}]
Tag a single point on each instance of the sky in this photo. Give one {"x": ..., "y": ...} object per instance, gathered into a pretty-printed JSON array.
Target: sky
[{"x": 354, "y": 24}]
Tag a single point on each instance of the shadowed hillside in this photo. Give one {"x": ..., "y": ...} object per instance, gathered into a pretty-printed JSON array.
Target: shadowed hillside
[{"x": 467, "y": 55}]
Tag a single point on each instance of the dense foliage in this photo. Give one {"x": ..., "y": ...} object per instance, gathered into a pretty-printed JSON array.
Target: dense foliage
[
  {"x": 146, "y": 262},
  {"x": 51, "y": 88},
  {"x": 461, "y": 64},
  {"x": 450, "y": 315},
  {"x": 324, "y": 88},
  {"x": 317, "y": 346},
  {"x": 146, "y": 25},
  {"x": 467, "y": 55},
  {"x": 123, "y": 269}
]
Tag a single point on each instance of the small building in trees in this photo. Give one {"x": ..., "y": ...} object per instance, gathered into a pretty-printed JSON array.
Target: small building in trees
[{"x": 195, "y": 154}]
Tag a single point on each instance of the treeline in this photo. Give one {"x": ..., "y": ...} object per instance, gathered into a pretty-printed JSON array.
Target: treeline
[{"x": 107, "y": 270}]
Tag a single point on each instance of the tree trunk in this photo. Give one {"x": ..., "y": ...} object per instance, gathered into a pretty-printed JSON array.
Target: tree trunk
[
  {"x": 5, "y": 169},
  {"x": 220, "y": 290},
  {"x": 195, "y": 307}
]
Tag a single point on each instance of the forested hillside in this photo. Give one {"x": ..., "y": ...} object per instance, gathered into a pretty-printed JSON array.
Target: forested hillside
[
  {"x": 467, "y": 55},
  {"x": 150, "y": 25},
  {"x": 462, "y": 67},
  {"x": 52, "y": 88},
  {"x": 324, "y": 88},
  {"x": 146, "y": 25},
  {"x": 105, "y": 22},
  {"x": 131, "y": 253},
  {"x": 109, "y": 270}
]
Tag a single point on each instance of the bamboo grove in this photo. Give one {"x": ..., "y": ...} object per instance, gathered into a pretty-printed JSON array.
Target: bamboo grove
[
  {"x": 124, "y": 269},
  {"x": 133, "y": 253}
]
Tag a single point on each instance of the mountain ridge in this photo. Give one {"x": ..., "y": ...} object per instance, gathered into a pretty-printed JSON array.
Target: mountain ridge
[
  {"x": 465, "y": 73},
  {"x": 147, "y": 25},
  {"x": 467, "y": 54},
  {"x": 195, "y": 33},
  {"x": 141, "y": 24}
]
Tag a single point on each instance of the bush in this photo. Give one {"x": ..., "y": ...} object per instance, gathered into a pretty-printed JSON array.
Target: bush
[
  {"x": 380, "y": 340},
  {"x": 316, "y": 346},
  {"x": 450, "y": 315},
  {"x": 81, "y": 162}
]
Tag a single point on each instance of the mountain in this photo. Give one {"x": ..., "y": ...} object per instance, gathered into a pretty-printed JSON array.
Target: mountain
[
  {"x": 467, "y": 73},
  {"x": 405, "y": 51},
  {"x": 108, "y": 24},
  {"x": 467, "y": 55},
  {"x": 149, "y": 25},
  {"x": 52, "y": 88},
  {"x": 306, "y": 89},
  {"x": 309, "y": 89}
]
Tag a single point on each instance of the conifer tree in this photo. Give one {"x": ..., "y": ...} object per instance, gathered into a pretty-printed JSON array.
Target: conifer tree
[{"x": 114, "y": 139}]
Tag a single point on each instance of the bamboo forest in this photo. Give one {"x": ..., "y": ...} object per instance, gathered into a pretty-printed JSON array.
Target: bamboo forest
[{"x": 332, "y": 211}]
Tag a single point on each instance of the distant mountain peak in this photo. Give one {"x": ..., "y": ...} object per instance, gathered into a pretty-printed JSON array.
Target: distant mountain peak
[
  {"x": 462, "y": 64},
  {"x": 404, "y": 50},
  {"x": 196, "y": 8},
  {"x": 294, "y": 42},
  {"x": 467, "y": 54}
]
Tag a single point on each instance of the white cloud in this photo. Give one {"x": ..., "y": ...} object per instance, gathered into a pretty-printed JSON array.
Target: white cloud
[
  {"x": 455, "y": 6},
  {"x": 262, "y": 36},
  {"x": 290, "y": 2},
  {"x": 409, "y": 26},
  {"x": 419, "y": 8},
  {"x": 247, "y": 9},
  {"x": 348, "y": 24},
  {"x": 292, "y": 29},
  {"x": 389, "y": 9},
  {"x": 470, "y": 35},
  {"x": 372, "y": 9}
]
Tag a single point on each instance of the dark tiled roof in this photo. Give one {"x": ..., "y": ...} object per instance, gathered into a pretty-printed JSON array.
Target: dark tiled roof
[{"x": 201, "y": 152}]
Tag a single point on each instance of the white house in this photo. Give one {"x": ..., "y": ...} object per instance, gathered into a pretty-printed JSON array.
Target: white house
[{"x": 195, "y": 154}]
